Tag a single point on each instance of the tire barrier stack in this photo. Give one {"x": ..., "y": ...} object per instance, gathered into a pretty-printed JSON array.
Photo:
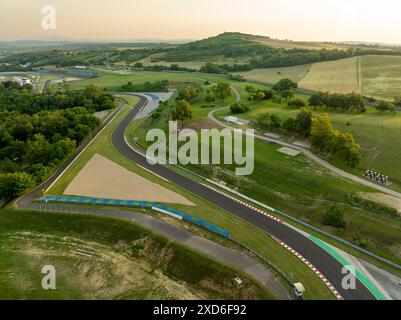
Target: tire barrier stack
[{"x": 380, "y": 178}]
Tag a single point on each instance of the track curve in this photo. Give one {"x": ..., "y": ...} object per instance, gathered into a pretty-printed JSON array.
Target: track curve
[{"x": 323, "y": 261}]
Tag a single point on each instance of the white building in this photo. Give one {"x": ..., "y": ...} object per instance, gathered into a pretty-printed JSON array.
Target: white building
[
  {"x": 24, "y": 81},
  {"x": 231, "y": 119}
]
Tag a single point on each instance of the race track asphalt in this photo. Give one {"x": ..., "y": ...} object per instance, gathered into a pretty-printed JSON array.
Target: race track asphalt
[{"x": 323, "y": 261}]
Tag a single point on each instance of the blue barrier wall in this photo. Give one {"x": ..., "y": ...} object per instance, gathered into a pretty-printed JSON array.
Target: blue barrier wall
[{"x": 137, "y": 204}]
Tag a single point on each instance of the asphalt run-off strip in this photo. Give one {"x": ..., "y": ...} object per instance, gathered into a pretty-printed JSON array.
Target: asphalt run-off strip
[
  {"x": 361, "y": 277},
  {"x": 312, "y": 267}
]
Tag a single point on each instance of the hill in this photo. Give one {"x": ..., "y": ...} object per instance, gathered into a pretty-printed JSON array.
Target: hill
[{"x": 243, "y": 52}]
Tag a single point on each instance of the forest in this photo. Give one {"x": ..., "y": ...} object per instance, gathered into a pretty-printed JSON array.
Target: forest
[{"x": 38, "y": 132}]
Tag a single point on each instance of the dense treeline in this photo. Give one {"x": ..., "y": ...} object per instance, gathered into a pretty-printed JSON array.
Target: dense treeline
[
  {"x": 13, "y": 97},
  {"x": 38, "y": 132},
  {"x": 339, "y": 102}
]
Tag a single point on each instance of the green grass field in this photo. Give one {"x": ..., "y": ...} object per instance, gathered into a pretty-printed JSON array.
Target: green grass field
[
  {"x": 101, "y": 258},
  {"x": 381, "y": 76},
  {"x": 376, "y": 132},
  {"x": 113, "y": 81},
  {"x": 241, "y": 230},
  {"x": 195, "y": 64}
]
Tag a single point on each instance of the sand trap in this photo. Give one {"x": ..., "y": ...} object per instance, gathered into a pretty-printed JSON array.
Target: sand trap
[
  {"x": 102, "y": 178},
  {"x": 385, "y": 199},
  {"x": 289, "y": 152}
]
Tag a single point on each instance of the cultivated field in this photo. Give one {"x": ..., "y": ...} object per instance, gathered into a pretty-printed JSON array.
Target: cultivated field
[
  {"x": 341, "y": 76},
  {"x": 274, "y": 75},
  {"x": 288, "y": 44},
  {"x": 375, "y": 76},
  {"x": 381, "y": 76}
]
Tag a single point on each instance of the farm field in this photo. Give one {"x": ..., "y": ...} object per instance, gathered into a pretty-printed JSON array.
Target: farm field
[
  {"x": 374, "y": 76},
  {"x": 103, "y": 258},
  {"x": 381, "y": 76},
  {"x": 342, "y": 76},
  {"x": 288, "y": 44},
  {"x": 274, "y": 75},
  {"x": 240, "y": 230}
]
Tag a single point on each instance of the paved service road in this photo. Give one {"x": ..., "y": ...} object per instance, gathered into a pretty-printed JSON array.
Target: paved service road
[{"x": 324, "y": 262}]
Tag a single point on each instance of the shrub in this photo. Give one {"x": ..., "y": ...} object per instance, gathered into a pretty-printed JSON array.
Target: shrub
[
  {"x": 238, "y": 108},
  {"x": 383, "y": 106},
  {"x": 297, "y": 103},
  {"x": 335, "y": 218}
]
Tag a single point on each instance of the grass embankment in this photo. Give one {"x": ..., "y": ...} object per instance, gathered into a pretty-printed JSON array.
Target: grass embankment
[
  {"x": 242, "y": 231},
  {"x": 101, "y": 258}
]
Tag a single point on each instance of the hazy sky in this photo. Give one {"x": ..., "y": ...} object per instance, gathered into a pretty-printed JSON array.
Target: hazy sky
[{"x": 329, "y": 20}]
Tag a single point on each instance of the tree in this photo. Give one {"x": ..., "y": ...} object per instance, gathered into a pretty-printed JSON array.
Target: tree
[
  {"x": 268, "y": 121},
  {"x": 347, "y": 148},
  {"x": 290, "y": 124},
  {"x": 13, "y": 185},
  {"x": 222, "y": 91},
  {"x": 287, "y": 94},
  {"x": 383, "y": 106},
  {"x": 285, "y": 84},
  {"x": 318, "y": 99},
  {"x": 190, "y": 92},
  {"x": 304, "y": 121},
  {"x": 250, "y": 89},
  {"x": 182, "y": 111},
  {"x": 268, "y": 94},
  {"x": 92, "y": 92},
  {"x": 322, "y": 133},
  {"x": 212, "y": 68},
  {"x": 238, "y": 108},
  {"x": 397, "y": 102},
  {"x": 297, "y": 103},
  {"x": 335, "y": 218}
]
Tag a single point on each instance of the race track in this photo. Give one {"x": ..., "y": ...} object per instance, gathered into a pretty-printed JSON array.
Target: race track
[{"x": 324, "y": 262}]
